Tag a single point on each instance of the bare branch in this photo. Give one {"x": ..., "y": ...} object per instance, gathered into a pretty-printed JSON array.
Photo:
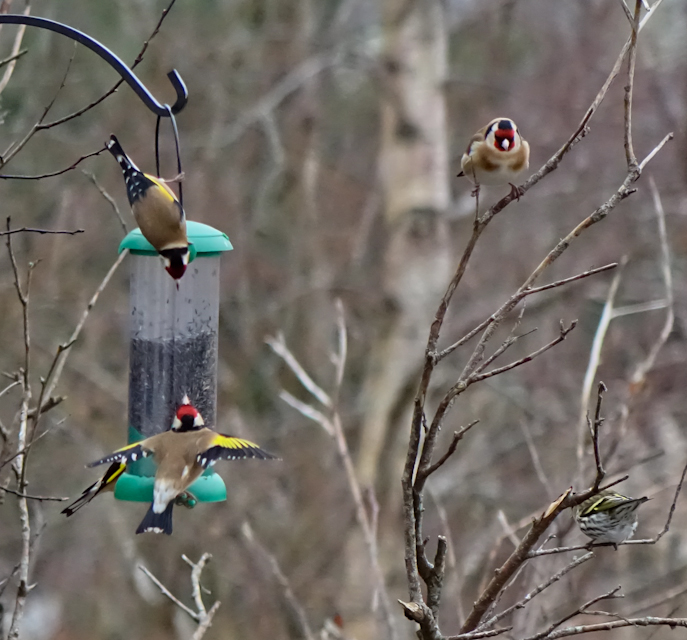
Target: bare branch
[
  {"x": 480, "y": 327},
  {"x": 201, "y": 616},
  {"x": 615, "y": 624},
  {"x": 308, "y": 411},
  {"x": 579, "y": 276},
  {"x": 654, "y": 151},
  {"x": 165, "y": 591},
  {"x": 593, "y": 365},
  {"x": 39, "y": 498},
  {"x": 107, "y": 94},
  {"x": 278, "y": 345},
  {"x": 598, "y": 421},
  {"x": 629, "y": 149},
  {"x": 457, "y": 437},
  {"x": 41, "y": 231},
  {"x": 54, "y": 173},
  {"x": 110, "y": 200},
  {"x": 564, "y": 331},
  {"x": 521, "y": 604},
  {"x": 547, "y": 633},
  {"x": 60, "y": 359},
  {"x": 11, "y": 58},
  {"x": 294, "y": 605},
  {"x": 15, "y": 55}
]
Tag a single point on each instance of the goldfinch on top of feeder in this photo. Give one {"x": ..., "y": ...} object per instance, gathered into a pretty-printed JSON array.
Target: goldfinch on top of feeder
[
  {"x": 497, "y": 154},
  {"x": 182, "y": 454},
  {"x": 159, "y": 214}
]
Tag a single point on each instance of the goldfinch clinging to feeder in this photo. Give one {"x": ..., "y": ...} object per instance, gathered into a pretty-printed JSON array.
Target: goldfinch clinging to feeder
[
  {"x": 158, "y": 213},
  {"x": 181, "y": 455},
  {"x": 497, "y": 154}
]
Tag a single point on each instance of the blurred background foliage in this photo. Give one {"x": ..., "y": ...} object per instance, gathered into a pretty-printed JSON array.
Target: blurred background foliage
[{"x": 283, "y": 146}]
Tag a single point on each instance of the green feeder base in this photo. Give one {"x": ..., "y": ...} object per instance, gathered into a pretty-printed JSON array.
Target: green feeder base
[
  {"x": 210, "y": 488},
  {"x": 136, "y": 484}
]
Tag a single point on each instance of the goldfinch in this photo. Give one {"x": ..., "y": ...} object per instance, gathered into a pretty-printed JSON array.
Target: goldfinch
[
  {"x": 497, "y": 154},
  {"x": 182, "y": 454},
  {"x": 608, "y": 517},
  {"x": 106, "y": 483},
  {"x": 158, "y": 213}
]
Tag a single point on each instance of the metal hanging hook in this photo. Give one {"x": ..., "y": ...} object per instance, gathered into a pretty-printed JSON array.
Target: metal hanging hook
[{"x": 161, "y": 110}]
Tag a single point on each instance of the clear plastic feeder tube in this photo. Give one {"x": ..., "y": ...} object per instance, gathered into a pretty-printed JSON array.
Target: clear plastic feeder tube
[{"x": 173, "y": 341}]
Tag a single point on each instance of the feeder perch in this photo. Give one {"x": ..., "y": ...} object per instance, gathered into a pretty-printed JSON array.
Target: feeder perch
[{"x": 172, "y": 350}]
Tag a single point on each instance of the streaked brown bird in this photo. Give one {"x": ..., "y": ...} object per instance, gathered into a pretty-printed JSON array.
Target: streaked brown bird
[{"x": 608, "y": 517}]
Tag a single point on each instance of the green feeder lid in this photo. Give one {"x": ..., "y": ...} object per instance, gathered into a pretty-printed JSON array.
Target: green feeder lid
[
  {"x": 203, "y": 238},
  {"x": 136, "y": 483}
]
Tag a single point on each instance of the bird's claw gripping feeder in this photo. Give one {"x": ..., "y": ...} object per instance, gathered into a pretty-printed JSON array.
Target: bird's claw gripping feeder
[{"x": 172, "y": 351}]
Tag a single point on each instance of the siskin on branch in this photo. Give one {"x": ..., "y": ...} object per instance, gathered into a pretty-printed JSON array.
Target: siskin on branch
[{"x": 608, "y": 517}]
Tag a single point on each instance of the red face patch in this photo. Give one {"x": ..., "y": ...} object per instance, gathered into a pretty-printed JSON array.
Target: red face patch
[
  {"x": 504, "y": 139},
  {"x": 176, "y": 271},
  {"x": 187, "y": 410}
]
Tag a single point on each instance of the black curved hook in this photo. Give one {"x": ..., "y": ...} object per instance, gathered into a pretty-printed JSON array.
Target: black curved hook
[{"x": 116, "y": 63}]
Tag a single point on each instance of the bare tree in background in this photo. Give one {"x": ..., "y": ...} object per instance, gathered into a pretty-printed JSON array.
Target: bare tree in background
[{"x": 413, "y": 177}]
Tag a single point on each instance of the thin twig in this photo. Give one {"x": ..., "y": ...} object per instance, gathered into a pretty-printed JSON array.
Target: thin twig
[
  {"x": 110, "y": 200},
  {"x": 480, "y": 327},
  {"x": 289, "y": 596},
  {"x": 457, "y": 437},
  {"x": 475, "y": 635},
  {"x": 629, "y": 148},
  {"x": 278, "y": 345},
  {"x": 598, "y": 421},
  {"x": 107, "y": 94},
  {"x": 41, "y": 176},
  {"x": 332, "y": 424},
  {"x": 41, "y": 231},
  {"x": 579, "y": 276},
  {"x": 536, "y": 460},
  {"x": 15, "y": 55},
  {"x": 28, "y": 497},
  {"x": 20, "y": 462},
  {"x": 62, "y": 351},
  {"x": 16, "y": 147},
  {"x": 165, "y": 591},
  {"x": 615, "y": 624},
  {"x": 521, "y": 604},
  {"x": 11, "y": 58},
  {"x": 564, "y": 331},
  {"x": 546, "y": 633},
  {"x": 593, "y": 365}
]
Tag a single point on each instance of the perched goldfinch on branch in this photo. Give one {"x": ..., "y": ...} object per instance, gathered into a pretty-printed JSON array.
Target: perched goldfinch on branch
[
  {"x": 497, "y": 154},
  {"x": 181, "y": 455},
  {"x": 158, "y": 213},
  {"x": 608, "y": 517}
]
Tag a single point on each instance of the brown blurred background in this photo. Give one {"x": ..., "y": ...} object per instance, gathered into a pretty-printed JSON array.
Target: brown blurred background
[{"x": 323, "y": 137}]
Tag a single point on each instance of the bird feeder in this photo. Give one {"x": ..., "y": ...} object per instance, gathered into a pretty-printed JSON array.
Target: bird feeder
[{"x": 172, "y": 350}]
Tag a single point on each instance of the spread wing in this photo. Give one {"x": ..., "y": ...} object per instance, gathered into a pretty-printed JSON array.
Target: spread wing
[
  {"x": 130, "y": 453},
  {"x": 106, "y": 483},
  {"x": 223, "y": 447}
]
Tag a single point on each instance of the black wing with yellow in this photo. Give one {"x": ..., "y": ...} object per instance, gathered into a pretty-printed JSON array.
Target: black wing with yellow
[
  {"x": 230, "y": 448},
  {"x": 106, "y": 483},
  {"x": 130, "y": 453}
]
